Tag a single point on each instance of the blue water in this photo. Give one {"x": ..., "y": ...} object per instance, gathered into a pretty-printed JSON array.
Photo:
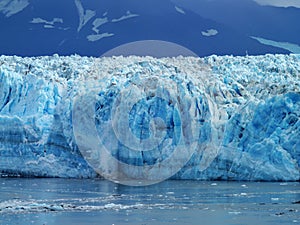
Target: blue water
[{"x": 71, "y": 201}]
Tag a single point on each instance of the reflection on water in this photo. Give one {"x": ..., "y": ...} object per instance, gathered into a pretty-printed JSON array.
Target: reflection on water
[{"x": 71, "y": 201}]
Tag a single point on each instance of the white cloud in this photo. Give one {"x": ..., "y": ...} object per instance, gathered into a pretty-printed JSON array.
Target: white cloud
[
  {"x": 11, "y": 7},
  {"x": 280, "y": 3},
  {"x": 285, "y": 45},
  {"x": 210, "y": 32}
]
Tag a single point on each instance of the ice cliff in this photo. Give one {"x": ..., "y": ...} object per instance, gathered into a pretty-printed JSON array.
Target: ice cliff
[{"x": 237, "y": 116}]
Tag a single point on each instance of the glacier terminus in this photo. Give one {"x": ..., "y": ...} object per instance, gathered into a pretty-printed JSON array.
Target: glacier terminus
[{"x": 211, "y": 118}]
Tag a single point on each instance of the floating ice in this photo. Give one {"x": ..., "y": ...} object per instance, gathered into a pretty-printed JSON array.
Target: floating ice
[{"x": 244, "y": 112}]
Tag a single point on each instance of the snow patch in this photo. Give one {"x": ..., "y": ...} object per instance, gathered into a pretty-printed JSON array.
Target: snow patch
[
  {"x": 280, "y": 3},
  {"x": 84, "y": 15},
  {"x": 97, "y": 37},
  {"x": 99, "y": 22},
  {"x": 48, "y": 26},
  {"x": 293, "y": 48},
  {"x": 11, "y": 7},
  {"x": 210, "y": 32},
  {"x": 125, "y": 17},
  {"x": 180, "y": 10},
  {"x": 42, "y": 21}
]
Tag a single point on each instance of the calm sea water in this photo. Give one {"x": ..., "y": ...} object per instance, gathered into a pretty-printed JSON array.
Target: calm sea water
[{"x": 71, "y": 201}]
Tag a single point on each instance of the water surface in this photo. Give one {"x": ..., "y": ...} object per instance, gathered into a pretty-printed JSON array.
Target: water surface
[{"x": 95, "y": 201}]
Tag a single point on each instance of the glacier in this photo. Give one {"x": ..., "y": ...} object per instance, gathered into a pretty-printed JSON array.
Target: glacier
[{"x": 238, "y": 117}]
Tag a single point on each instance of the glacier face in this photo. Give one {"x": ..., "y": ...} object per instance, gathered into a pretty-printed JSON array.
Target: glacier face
[{"x": 238, "y": 117}]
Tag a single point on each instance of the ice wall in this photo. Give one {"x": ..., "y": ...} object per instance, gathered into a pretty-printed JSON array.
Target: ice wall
[{"x": 238, "y": 116}]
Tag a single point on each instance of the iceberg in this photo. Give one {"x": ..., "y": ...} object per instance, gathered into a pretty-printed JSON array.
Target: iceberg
[{"x": 212, "y": 118}]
